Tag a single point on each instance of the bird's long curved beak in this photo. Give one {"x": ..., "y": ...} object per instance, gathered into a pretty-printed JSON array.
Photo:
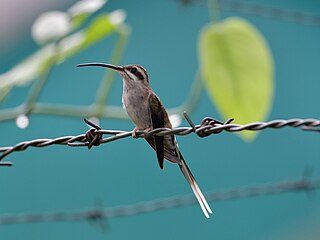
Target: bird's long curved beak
[{"x": 114, "y": 67}]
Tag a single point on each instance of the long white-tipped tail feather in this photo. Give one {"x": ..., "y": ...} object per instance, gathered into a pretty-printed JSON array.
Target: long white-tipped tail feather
[{"x": 195, "y": 188}]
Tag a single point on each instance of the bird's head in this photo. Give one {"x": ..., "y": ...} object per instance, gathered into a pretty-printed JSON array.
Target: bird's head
[{"x": 130, "y": 73}]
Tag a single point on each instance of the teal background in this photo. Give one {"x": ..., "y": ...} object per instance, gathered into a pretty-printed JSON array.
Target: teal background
[{"x": 164, "y": 40}]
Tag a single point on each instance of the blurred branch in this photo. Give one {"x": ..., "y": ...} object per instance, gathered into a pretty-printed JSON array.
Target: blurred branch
[
  {"x": 95, "y": 214},
  {"x": 262, "y": 10},
  {"x": 208, "y": 126},
  {"x": 271, "y": 12},
  {"x": 39, "y": 84}
]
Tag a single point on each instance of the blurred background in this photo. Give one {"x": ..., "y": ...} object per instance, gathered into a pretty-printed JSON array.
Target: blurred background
[{"x": 162, "y": 36}]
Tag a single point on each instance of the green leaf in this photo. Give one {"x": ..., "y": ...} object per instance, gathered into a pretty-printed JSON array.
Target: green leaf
[
  {"x": 237, "y": 69},
  {"x": 78, "y": 20},
  {"x": 27, "y": 70},
  {"x": 98, "y": 29}
]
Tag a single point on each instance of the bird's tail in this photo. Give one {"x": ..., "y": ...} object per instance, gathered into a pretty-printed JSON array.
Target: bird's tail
[{"x": 195, "y": 188}]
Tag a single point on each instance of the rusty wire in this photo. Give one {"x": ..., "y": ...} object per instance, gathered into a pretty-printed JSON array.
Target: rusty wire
[
  {"x": 99, "y": 213},
  {"x": 271, "y": 12},
  {"x": 265, "y": 11},
  {"x": 207, "y": 127}
]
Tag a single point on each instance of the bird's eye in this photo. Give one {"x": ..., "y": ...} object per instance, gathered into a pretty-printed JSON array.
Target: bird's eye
[{"x": 133, "y": 70}]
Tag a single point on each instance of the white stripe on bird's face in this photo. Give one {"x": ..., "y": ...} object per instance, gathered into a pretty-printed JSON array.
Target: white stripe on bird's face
[{"x": 137, "y": 73}]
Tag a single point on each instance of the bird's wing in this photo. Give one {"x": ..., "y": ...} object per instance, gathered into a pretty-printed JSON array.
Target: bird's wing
[
  {"x": 157, "y": 120},
  {"x": 169, "y": 154}
]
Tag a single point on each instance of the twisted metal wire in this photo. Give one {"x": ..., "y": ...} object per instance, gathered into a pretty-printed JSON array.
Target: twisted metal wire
[
  {"x": 99, "y": 213},
  {"x": 271, "y": 12},
  {"x": 266, "y": 11},
  {"x": 207, "y": 127}
]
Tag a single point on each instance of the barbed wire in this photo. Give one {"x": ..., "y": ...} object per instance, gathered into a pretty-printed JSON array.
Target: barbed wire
[
  {"x": 207, "y": 127},
  {"x": 99, "y": 213},
  {"x": 262, "y": 10},
  {"x": 271, "y": 12}
]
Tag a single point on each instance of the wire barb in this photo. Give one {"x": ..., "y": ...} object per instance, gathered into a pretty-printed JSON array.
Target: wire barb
[
  {"x": 208, "y": 126},
  {"x": 8, "y": 164},
  {"x": 92, "y": 136}
]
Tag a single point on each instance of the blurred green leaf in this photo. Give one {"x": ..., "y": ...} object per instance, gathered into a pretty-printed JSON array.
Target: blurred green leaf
[
  {"x": 27, "y": 70},
  {"x": 78, "y": 20},
  {"x": 237, "y": 69},
  {"x": 99, "y": 28}
]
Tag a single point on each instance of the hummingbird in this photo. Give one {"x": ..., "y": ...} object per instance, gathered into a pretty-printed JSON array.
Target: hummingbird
[{"x": 147, "y": 112}]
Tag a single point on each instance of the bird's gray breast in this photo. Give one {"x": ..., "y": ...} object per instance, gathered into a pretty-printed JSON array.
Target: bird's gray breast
[{"x": 136, "y": 103}]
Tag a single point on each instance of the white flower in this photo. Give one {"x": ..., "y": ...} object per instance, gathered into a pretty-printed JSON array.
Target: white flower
[
  {"x": 118, "y": 16},
  {"x": 86, "y": 7},
  {"x": 22, "y": 121},
  {"x": 50, "y": 26}
]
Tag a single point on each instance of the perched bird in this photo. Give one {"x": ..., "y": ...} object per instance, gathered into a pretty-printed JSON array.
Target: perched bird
[{"x": 147, "y": 112}]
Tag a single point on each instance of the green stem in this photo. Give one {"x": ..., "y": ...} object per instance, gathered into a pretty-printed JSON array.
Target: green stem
[
  {"x": 114, "y": 112},
  {"x": 214, "y": 10},
  {"x": 107, "y": 81},
  {"x": 37, "y": 88},
  {"x": 39, "y": 84},
  {"x": 12, "y": 113}
]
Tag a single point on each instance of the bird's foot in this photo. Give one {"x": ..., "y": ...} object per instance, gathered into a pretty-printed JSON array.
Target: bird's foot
[{"x": 135, "y": 135}]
